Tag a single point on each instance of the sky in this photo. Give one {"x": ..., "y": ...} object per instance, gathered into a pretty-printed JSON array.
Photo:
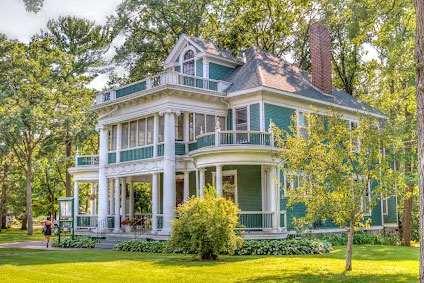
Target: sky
[{"x": 19, "y": 24}]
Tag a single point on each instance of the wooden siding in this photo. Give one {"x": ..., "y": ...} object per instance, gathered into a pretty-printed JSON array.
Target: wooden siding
[
  {"x": 199, "y": 67},
  {"x": 255, "y": 123},
  {"x": 218, "y": 72},
  {"x": 230, "y": 119},
  {"x": 279, "y": 115}
]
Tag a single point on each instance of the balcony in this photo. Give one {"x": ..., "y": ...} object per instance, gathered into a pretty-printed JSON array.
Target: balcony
[
  {"x": 165, "y": 78},
  {"x": 83, "y": 161},
  {"x": 232, "y": 138}
]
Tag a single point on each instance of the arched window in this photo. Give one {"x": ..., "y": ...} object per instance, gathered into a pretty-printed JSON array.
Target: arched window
[{"x": 188, "y": 63}]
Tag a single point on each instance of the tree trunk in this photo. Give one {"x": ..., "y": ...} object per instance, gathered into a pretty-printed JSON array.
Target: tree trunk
[
  {"x": 407, "y": 211},
  {"x": 68, "y": 164},
  {"x": 28, "y": 176},
  {"x": 419, "y": 57},
  {"x": 24, "y": 223},
  {"x": 3, "y": 211},
  {"x": 349, "y": 248}
]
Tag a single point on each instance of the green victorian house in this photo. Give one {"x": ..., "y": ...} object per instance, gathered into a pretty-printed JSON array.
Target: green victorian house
[{"x": 204, "y": 120}]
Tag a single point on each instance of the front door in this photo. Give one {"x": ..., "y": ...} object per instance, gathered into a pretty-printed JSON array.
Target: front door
[{"x": 180, "y": 191}]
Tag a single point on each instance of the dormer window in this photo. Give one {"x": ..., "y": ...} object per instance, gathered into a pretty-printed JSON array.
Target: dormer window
[{"x": 188, "y": 63}]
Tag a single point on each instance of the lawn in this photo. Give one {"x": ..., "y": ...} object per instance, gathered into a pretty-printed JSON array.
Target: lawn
[
  {"x": 16, "y": 235},
  {"x": 371, "y": 264}
]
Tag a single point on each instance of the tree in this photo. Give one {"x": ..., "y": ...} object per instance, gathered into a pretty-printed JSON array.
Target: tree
[
  {"x": 33, "y": 6},
  {"x": 419, "y": 57},
  {"x": 33, "y": 86},
  {"x": 206, "y": 226},
  {"x": 342, "y": 172}
]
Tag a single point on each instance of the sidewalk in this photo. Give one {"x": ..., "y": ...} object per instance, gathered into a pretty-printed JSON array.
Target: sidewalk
[{"x": 39, "y": 245}]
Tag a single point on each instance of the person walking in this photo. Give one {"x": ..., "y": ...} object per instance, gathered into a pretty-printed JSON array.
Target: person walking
[{"x": 47, "y": 230}]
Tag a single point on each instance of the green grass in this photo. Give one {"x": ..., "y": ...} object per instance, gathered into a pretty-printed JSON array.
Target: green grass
[
  {"x": 371, "y": 264},
  {"x": 16, "y": 235}
]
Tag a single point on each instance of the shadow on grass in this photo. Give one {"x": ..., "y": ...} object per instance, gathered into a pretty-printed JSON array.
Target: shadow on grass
[{"x": 334, "y": 277}]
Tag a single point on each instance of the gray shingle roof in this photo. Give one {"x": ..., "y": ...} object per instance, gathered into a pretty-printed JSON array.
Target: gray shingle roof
[
  {"x": 265, "y": 69},
  {"x": 213, "y": 48}
]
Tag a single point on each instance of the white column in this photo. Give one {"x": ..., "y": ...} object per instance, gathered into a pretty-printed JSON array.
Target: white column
[
  {"x": 76, "y": 202},
  {"x": 118, "y": 142},
  {"x": 186, "y": 185},
  {"x": 155, "y": 134},
  {"x": 103, "y": 186},
  {"x": 131, "y": 202},
  {"x": 202, "y": 182},
  {"x": 111, "y": 199},
  {"x": 273, "y": 197},
  {"x": 169, "y": 194},
  {"x": 186, "y": 130},
  {"x": 155, "y": 200},
  {"x": 218, "y": 181},
  {"x": 93, "y": 200},
  {"x": 123, "y": 198},
  {"x": 117, "y": 215}
]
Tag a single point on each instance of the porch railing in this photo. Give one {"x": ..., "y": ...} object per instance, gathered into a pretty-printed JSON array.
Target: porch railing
[
  {"x": 143, "y": 224},
  {"x": 255, "y": 220},
  {"x": 236, "y": 138},
  {"x": 87, "y": 221},
  {"x": 86, "y": 160},
  {"x": 164, "y": 78}
]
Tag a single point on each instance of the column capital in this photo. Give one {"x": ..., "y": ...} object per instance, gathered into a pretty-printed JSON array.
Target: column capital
[
  {"x": 202, "y": 170},
  {"x": 100, "y": 127},
  {"x": 170, "y": 111}
]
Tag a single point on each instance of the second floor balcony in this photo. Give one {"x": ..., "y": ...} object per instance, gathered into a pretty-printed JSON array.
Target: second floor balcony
[
  {"x": 204, "y": 142},
  {"x": 216, "y": 87}
]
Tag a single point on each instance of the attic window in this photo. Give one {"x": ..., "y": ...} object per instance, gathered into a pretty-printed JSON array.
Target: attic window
[{"x": 188, "y": 63}]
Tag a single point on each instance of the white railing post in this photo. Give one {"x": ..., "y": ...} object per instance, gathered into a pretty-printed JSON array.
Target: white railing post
[
  {"x": 112, "y": 94},
  {"x": 271, "y": 132},
  {"x": 217, "y": 133}
]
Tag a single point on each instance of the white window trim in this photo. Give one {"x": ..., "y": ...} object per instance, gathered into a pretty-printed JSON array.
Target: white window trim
[
  {"x": 285, "y": 179},
  {"x": 136, "y": 137},
  {"x": 350, "y": 131},
  {"x": 181, "y": 59},
  {"x": 247, "y": 107},
  {"x": 204, "y": 125},
  {"x": 387, "y": 206},
  {"x": 369, "y": 212},
  {"x": 298, "y": 112},
  {"x": 224, "y": 174}
]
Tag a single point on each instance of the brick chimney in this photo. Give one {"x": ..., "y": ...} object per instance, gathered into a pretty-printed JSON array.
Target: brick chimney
[{"x": 321, "y": 58}]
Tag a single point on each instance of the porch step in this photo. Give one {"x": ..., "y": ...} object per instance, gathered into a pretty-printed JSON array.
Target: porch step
[{"x": 109, "y": 242}]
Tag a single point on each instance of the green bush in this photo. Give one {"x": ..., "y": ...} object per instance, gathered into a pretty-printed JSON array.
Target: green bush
[
  {"x": 205, "y": 226},
  {"x": 250, "y": 247},
  {"x": 338, "y": 239},
  {"x": 77, "y": 242},
  {"x": 284, "y": 247}
]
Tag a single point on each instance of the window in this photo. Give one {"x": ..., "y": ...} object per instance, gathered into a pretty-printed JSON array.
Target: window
[
  {"x": 179, "y": 128},
  {"x": 210, "y": 123},
  {"x": 133, "y": 134},
  {"x": 199, "y": 124},
  {"x": 293, "y": 181},
  {"x": 354, "y": 136},
  {"x": 150, "y": 129},
  {"x": 141, "y": 132},
  {"x": 384, "y": 204},
  {"x": 366, "y": 201},
  {"x": 124, "y": 136},
  {"x": 302, "y": 125},
  {"x": 222, "y": 125},
  {"x": 161, "y": 134},
  {"x": 188, "y": 63},
  {"x": 241, "y": 119},
  {"x": 113, "y": 137}
]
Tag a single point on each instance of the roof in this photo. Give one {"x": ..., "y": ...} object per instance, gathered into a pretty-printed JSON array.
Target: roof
[
  {"x": 213, "y": 48},
  {"x": 265, "y": 69}
]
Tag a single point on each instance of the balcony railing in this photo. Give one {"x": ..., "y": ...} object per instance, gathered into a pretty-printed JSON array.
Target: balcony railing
[
  {"x": 255, "y": 220},
  {"x": 236, "y": 138},
  {"x": 86, "y": 160},
  {"x": 164, "y": 78},
  {"x": 87, "y": 221}
]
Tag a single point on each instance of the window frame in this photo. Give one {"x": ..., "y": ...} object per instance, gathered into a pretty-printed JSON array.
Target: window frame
[
  {"x": 385, "y": 200},
  {"x": 306, "y": 127},
  {"x": 192, "y": 127},
  {"x": 369, "y": 212},
  {"x": 187, "y": 49}
]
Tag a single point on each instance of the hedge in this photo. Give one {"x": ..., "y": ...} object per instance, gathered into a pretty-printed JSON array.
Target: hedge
[
  {"x": 249, "y": 247},
  {"x": 77, "y": 242},
  {"x": 361, "y": 238}
]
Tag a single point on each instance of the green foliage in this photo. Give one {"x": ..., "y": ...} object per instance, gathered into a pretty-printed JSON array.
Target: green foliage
[
  {"x": 78, "y": 242},
  {"x": 250, "y": 247},
  {"x": 206, "y": 226},
  {"x": 337, "y": 239},
  {"x": 284, "y": 247}
]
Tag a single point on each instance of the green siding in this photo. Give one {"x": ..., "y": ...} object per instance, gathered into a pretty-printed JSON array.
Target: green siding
[
  {"x": 230, "y": 119},
  {"x": 255, "y": 124},
  {"x": 136, "y": 154},
  {"x": 391, "y": 217},
  {"x": 279, "y": 115},
  {"x": 199, "y": 67},
  {"x": 112, "y": 157},
  {"x": 218, "y": 72},
  {"x": 180, "y": 148},
  {"x": 178, "y": 69},
  {"x": 131, "y": 89},
  {"x": 248, "y": 186},
  {"x": 192, "y": 183}
]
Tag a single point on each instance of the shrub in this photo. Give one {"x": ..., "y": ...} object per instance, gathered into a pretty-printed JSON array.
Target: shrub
[
  {"x": 361, "y": 238},
  {"x": 205, "y": 226},
  {"x": 250, "y": 247},
  {"x": 77, "y": 242},
  {"x": 284, "y": 247}
]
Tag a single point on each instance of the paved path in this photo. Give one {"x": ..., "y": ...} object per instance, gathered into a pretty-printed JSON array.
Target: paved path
[{"x": 39, "y": 245}]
